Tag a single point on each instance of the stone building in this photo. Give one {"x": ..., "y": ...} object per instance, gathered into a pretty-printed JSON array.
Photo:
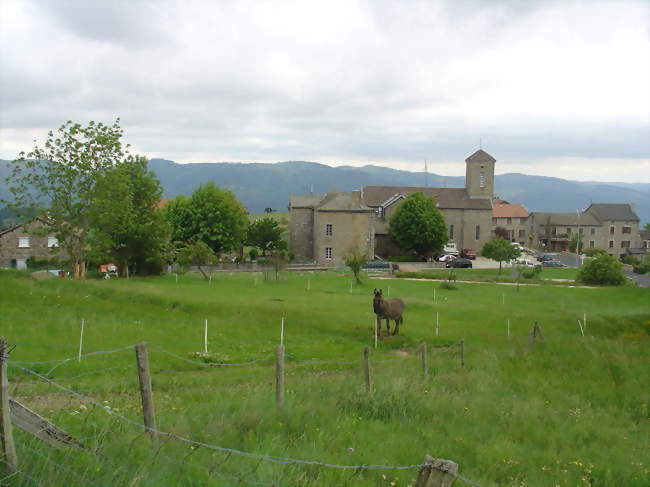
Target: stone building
[
  {"x": 326, "y": 228},
  {"x": 512, "y": 218},
  {"x": 609, "y": 226},
  {"x": 366, "y": 213},
  {"x": 22, "y": 242}
]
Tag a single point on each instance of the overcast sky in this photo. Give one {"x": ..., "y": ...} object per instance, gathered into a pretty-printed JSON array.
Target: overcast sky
[{"x": 553, "y": 88}]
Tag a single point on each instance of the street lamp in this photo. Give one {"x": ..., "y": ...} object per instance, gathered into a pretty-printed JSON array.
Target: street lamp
[{"x": 578, "y": 241}]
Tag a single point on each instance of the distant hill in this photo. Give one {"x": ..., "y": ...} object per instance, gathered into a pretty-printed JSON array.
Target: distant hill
[{"x": 260, "y": 186}]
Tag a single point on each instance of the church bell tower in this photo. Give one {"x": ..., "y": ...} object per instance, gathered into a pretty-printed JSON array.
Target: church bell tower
[{"x": 479, "y": 175}]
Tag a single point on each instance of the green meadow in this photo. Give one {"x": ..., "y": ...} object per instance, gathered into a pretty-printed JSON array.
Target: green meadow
[{"x": 570, "y": 410}]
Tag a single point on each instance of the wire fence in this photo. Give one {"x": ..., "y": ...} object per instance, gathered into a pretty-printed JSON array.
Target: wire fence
[{"x": 230, "y": 451}]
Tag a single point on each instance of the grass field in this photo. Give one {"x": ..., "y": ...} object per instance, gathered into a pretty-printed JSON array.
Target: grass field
[{"x": 572, "y": 411}]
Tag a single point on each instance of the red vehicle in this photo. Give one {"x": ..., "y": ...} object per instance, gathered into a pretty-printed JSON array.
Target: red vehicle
[{"x": 468, "y": 254}]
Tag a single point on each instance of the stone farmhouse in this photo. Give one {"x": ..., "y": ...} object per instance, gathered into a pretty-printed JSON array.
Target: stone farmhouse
[
  {"x": 612, "y": 227},
  {"x": 20, "y": 243},
  {"x": 325, "y": 228}
]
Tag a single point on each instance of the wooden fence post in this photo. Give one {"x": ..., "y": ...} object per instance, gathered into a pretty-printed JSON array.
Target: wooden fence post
[
  {"x": 436, "y": 473},
  {"x": 279, "y": 377},
  {"x": 145, "y": 388},
  {"x": 462, "y": 353},
  {"x": 8, "y": 450},
  {"x": 425, "y": 368},
  {"x": 366, "y": 369}
]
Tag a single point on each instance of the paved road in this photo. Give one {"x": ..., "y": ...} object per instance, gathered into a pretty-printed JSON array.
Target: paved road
[{"x": 642, "y": 280}]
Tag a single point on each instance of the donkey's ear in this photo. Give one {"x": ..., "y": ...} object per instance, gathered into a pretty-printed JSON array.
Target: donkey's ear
[
  {"x": 375, "y": 291},
  {"x": 380, "y": 292}
]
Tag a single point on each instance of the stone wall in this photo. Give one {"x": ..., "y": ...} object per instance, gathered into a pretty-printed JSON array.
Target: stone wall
[
  {"x": 301, "y": 231},
  {"x": 350, "y": 230}
]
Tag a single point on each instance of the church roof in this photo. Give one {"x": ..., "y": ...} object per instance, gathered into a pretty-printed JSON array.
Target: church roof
[
  {"x": 480, "y": 156},
  {"x": 446, "y": 198},
  {"x": 331, "y": 201}
]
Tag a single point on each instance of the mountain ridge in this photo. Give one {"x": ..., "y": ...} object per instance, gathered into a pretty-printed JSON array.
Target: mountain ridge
[{"x": 271, "y": 185}]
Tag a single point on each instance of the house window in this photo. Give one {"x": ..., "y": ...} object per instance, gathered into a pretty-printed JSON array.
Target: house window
[
  {"x": 625, "y": 244},
  {"x": 52, "y": 242},
  {"x": 626, "y": 230},
  {"x": 328, "y": 253},
  {"x": 612, "y": 228},
  {"x": 522, "y": 233},
  {"x": 494, "y": 221},
  {"x": 328, "y": 230},
  {"x": 593, "y": 231},
  {"x": 611, "y": 244},
  {"x": 592, "y": 244},
  {"x": 478, "y": 232},
  {"x": 23, "y": 242},
  {"x": 509, "y": 221},
  {"x": 554, "y": 231},
  {"x": 451, "y": 232},
  {"x": 568, "y": 231},
  {"x": 581, "y": 231}
]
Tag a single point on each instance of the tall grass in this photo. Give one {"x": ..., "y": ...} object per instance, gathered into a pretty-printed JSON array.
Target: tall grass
[{"x": 572, "y": 411}]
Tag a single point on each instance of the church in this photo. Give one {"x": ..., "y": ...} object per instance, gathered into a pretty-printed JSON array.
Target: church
[{"x": 325, "y": 228}]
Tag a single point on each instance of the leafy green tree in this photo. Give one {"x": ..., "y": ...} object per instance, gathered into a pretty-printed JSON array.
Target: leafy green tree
[
  {"x": 602, "y": 269},
  {"x": 127, "y": 226},
  {"x": 647, "y": 227},
  {"x": 265, "y": 234},
  {"x": 58, "y": 180},
  {"x": 500, "y": 250},
  {"x": 355, "y": 260},
  {"x": 576, "y": 242},
  {"x": 211, "y": 215},
  {"x": 594, "y": 251},
  {"x": 418, "y": 225},
  {"x": 197, "y": 254}
]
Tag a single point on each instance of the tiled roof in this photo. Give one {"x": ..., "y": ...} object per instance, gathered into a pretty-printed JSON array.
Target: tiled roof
[
  {"x": 611, "y": 211},
  {"x": 446, "y": 198},
  {"x": 163, "y": 202},
  {"x": 504, "y": 210}
]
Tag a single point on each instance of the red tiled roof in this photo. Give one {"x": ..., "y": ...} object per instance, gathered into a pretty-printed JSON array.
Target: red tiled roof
[
  {"x": 163, "y": 202},
  {"x": 508, "y": 211}
]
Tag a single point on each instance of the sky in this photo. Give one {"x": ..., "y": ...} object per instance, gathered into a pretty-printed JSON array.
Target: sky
[{"x": 556, "y": 88}]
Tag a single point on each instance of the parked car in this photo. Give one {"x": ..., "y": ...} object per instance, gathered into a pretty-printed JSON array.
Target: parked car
[
  {"x": 542, "y": 257},
  {"x": 552, "y": 263},
  {"x": 521, "y": 263},
  {"x": 468, "y": 254},
  {"x": 446, "y": 258},
  {"x": 459, "y": 263}
]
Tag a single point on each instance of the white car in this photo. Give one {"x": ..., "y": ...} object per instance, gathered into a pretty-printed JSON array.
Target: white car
[{"x": 446, "y": 258}]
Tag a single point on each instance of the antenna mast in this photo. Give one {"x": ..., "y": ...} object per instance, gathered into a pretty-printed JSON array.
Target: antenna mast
[{"x": 426, "y": 174}]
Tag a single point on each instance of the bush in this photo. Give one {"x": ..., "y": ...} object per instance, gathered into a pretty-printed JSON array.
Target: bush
[
  {"x": 602, "y": 269},
  {"x": 253, "y": 254},
  {"x": 643, "y": 267},
  {"x": 593, "y": 252},
  {"x": 528, "y": 273}
]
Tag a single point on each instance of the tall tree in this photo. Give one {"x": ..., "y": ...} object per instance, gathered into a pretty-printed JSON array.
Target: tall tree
[
  {"x": 58, "y": 180},
  {"x": 212, "y": 215},
  {"x": 500, "y": 250},
  {"x": 418, "y": 225},
  {"x": 127, "y": 225},
  {"x": 265, "y": 234}
]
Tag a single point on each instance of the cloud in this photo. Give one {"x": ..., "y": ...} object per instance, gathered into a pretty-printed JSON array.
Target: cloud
[{"x": 336, "y": 82}]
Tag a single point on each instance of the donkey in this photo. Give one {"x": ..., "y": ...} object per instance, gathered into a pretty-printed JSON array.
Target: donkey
[{"x": 388, "y": 309}]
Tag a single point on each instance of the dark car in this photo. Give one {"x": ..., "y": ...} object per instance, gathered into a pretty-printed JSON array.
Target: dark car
[
  {"x": 468, "y": 254},
  {"x": 552, "y": 263},
  {"x": 544, "y": 257},
  {"x": 460, "y": 263}
]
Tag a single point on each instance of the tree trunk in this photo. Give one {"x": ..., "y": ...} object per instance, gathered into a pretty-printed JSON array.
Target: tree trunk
[
  {"x": 205, "y": 276},
  {"x": 499, "y": 267}
]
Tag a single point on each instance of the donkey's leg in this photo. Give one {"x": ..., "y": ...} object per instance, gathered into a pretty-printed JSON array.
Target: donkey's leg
[
  {"x": 396, "y": 330},
  {"x": 388, "y": 325}
]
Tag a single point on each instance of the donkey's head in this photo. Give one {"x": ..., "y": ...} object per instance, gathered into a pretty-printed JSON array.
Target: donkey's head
[{"x": 376, "y": 302}]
